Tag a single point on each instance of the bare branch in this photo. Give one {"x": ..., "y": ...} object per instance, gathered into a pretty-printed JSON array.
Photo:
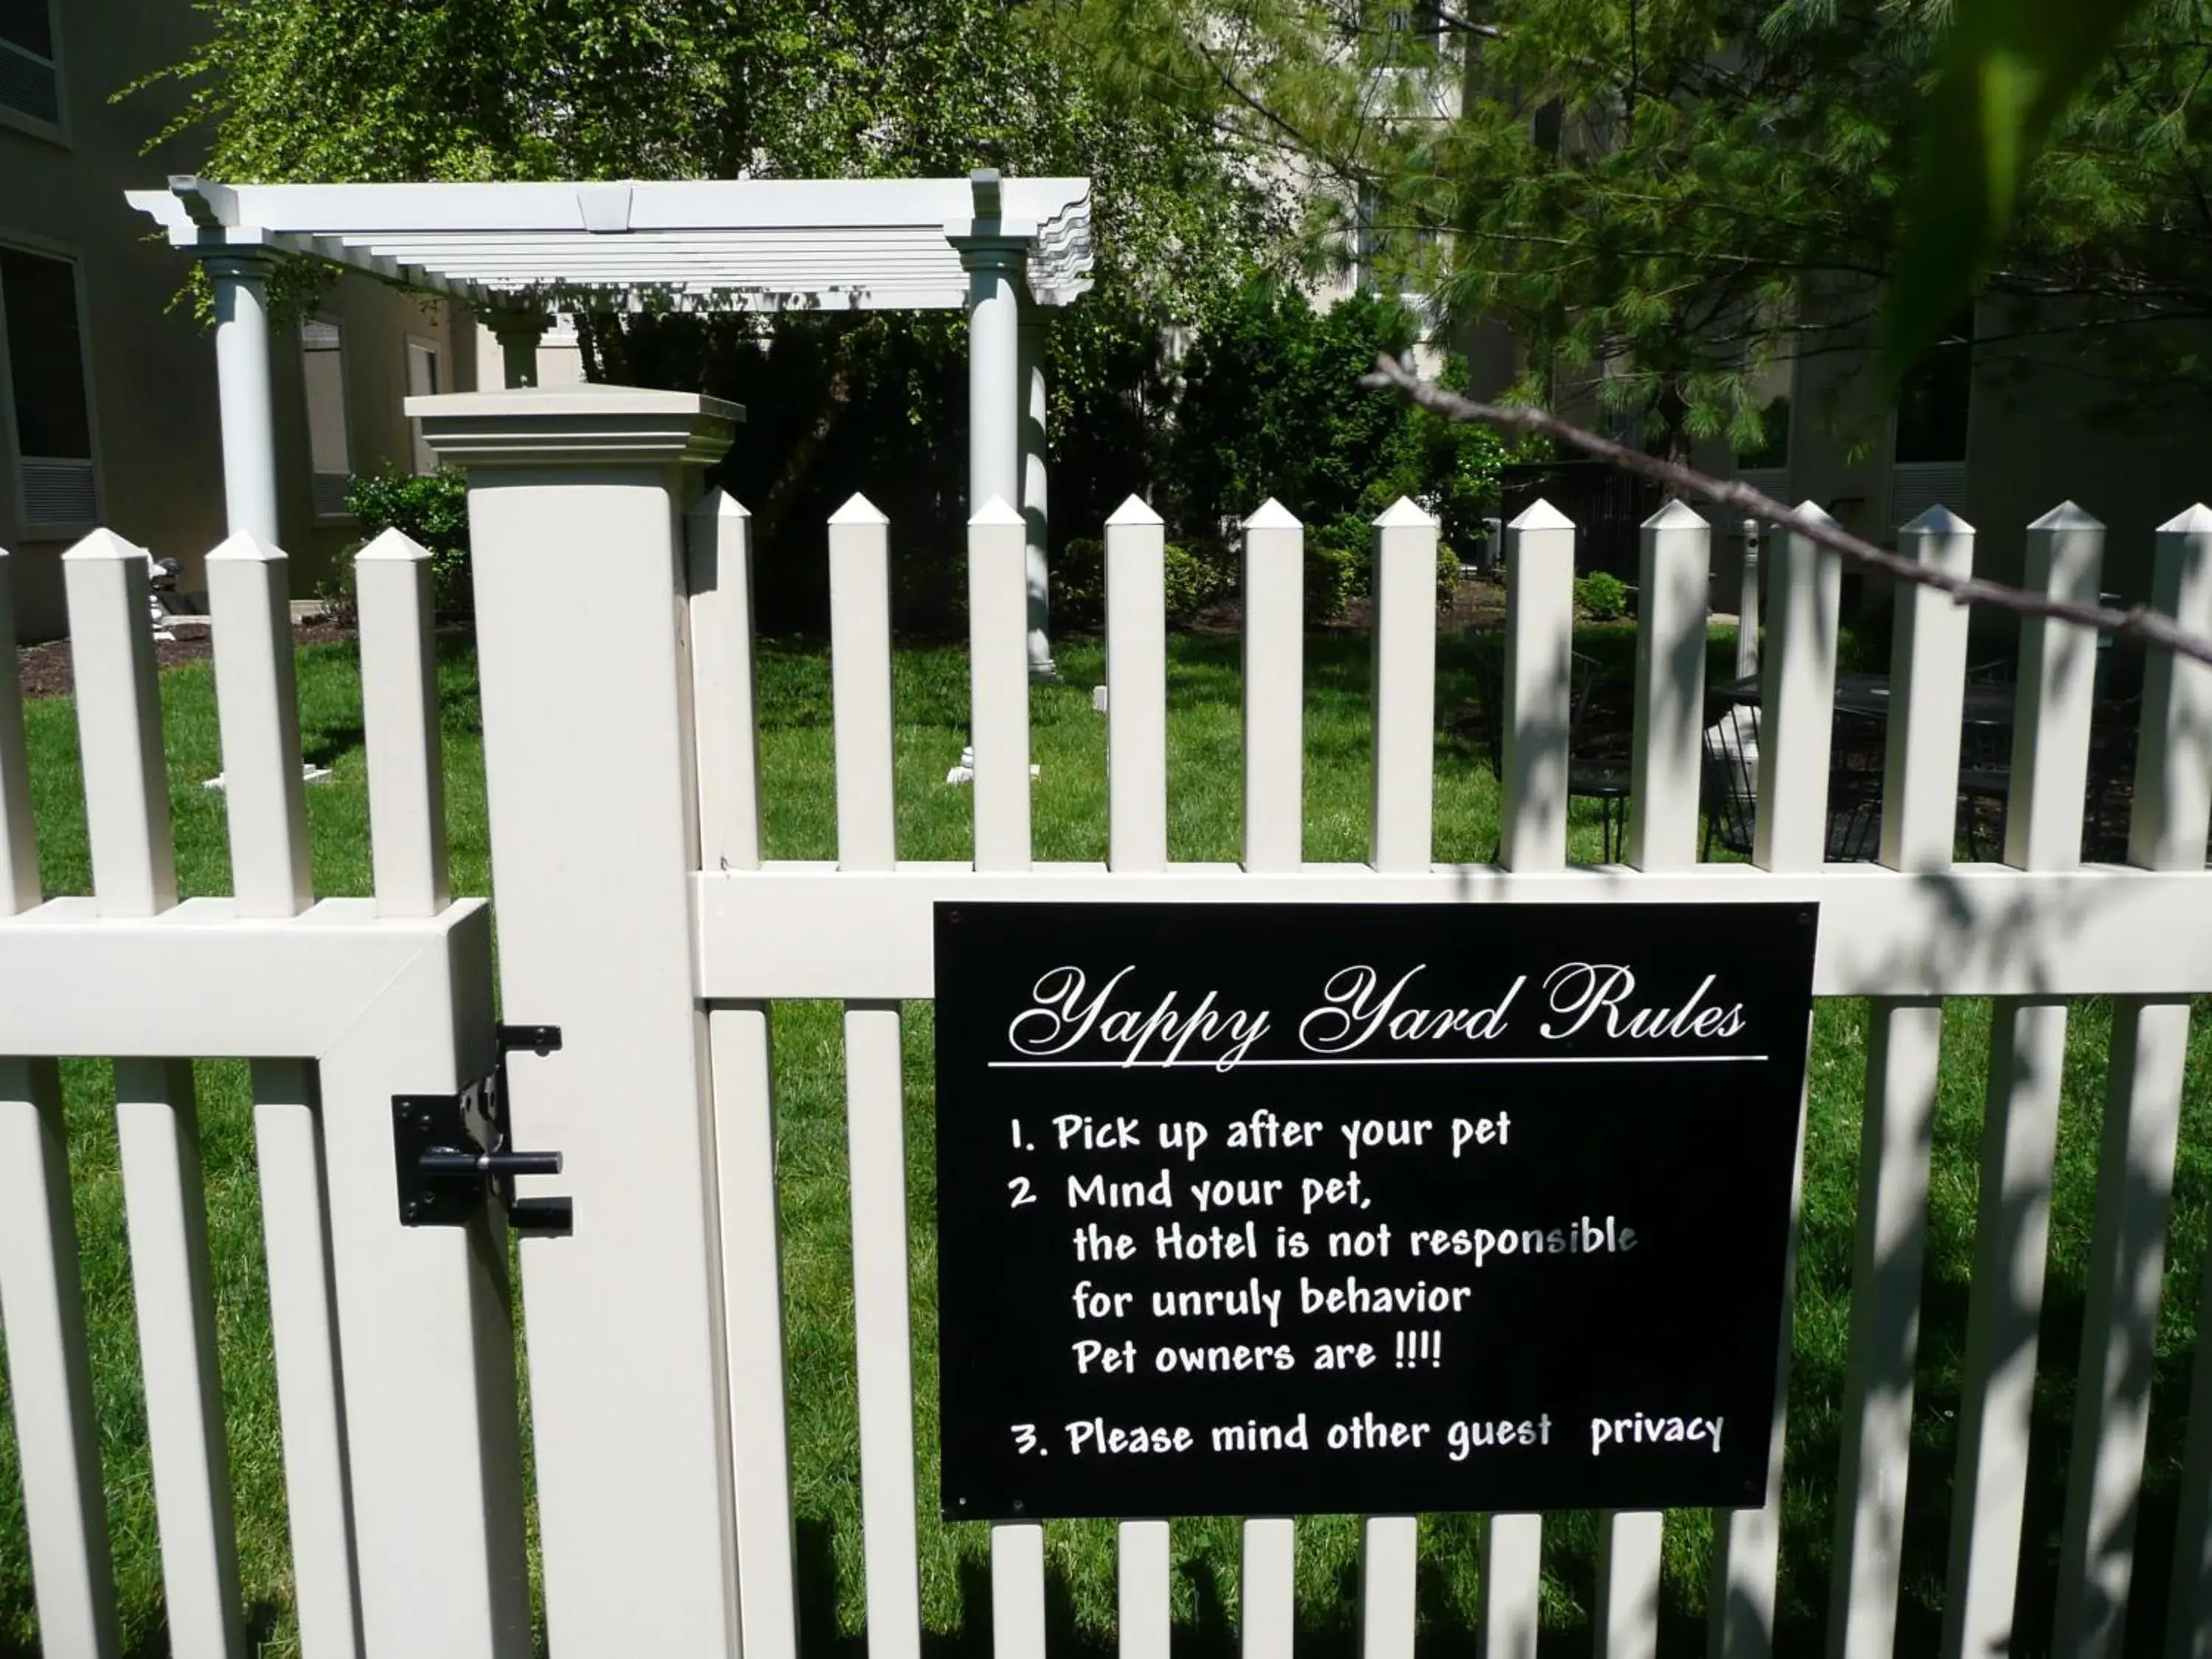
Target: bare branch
[{"x": 2138, "y": 623}]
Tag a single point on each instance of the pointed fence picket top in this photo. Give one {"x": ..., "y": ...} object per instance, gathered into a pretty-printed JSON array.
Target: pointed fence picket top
[
  {"x": 127, "y": 780},
  {"x": 257, "y": 707},
  {"x": 399, "y": 713},
  {"x": 1670, "y": 688},
  {"x": 1137, "y": 670},
  {"x": 861, "y": 683},
  {"x": 719, "y": 563}
]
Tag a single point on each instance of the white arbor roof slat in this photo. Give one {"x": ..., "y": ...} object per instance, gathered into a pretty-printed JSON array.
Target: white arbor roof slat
[{"x": 711, "y": 244}]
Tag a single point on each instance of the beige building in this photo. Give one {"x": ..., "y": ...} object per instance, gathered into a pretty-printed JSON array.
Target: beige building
[{"x": 107, "y": 381}]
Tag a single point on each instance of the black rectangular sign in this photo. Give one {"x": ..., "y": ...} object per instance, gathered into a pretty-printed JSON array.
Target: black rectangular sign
[{"x": 1270, "y": 1209}]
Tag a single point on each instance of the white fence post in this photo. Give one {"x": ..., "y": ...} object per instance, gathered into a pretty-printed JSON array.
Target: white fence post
[
  {"x": 589, "y": 767},
  {"x": 1137, "y": 688}
]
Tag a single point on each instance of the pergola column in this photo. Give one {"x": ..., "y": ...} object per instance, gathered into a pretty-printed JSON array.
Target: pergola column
[
  {"x": 999, "y": 384},
  {"x": 1036, "y": 521},
  {"x": 518, "y": 331},
  {"x": 244, "y": 392}
]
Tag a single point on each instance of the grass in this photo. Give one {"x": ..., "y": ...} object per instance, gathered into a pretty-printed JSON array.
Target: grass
[{"x": 1070, "y": 823}]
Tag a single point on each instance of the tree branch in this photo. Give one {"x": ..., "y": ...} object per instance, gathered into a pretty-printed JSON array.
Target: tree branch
[{"x": 2138, "y": 623}]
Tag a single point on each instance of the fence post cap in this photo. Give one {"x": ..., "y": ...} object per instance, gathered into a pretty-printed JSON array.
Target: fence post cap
[
  {"x": 244, "y": 547},
  {"x": 1135, "y": 511},
  {"x": 1675, "y": 513},
  {"x": 995, "y": 511},
  {"x": 1405, "y": 512},
  {"x": 861, "y": 510},
  {"x": 1810, "y": 508},
  {"x": 104, "y": 543},
  {"x": 1937, "y": 521},
  {"x": 1271, "y": 515},
  {"x": 2190, "y": 521},
  {"x": 2067, "y": 516},
  {"x": 1540, "y": 514},
  {"x": 393, "y": 543}
]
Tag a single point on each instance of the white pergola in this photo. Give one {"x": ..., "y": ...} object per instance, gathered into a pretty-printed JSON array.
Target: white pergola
[{"x": 1005, "y": 250}]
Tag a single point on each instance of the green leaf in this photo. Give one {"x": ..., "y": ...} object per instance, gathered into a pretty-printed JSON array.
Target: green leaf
[{"x": 2011, "y": 67}]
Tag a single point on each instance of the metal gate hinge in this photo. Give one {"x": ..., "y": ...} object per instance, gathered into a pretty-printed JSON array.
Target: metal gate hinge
[{"x": 453, "y": 1151}]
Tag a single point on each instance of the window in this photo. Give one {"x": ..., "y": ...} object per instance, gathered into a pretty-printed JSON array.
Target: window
[
  {"x": 1932, "y": 402},
  {"x": 1399, "y": 33},
  {"x": 422, "y": 382},
  {"x": 322, "y": 359},
  {"x": 30, "y": 76},
  {"x": 46, "y": 387}
]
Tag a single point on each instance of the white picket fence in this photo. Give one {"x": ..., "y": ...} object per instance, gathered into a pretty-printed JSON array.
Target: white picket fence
[{"x": 636, "y": 910}]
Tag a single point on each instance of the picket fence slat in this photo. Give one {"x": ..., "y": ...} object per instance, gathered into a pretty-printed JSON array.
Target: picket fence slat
[
  {"x": 860, "y": 685},
  {"x": 1400, "y": 839},
  {"x": 1144, "y": 1611},
  {"x": 127, "y": 780},
  {"x": 1904, "y": 1050},
  {"x": 49, "y": 1366},
  {"x": 1539, "y": 689},
  {"x": 875, "y": 1107},
  {"x": 1274, "y": 689},
  {"x": 256, "y": 706},
  {"x": 1674, "y": 556},
  {"x": 1136, "y": 689},
  {"x": 1629, "y": 1543},
  {"x": 719, "y": 609},
  {"x": 1539, "y": 612},
  {"x": 1400, "y": 831},
  {"x": 1018, "y": 1584},
  {"x": 257, "y": 715},
  {"x": 718, "y": 554},
  {"x": 2027, "y": 1056},
  {"x": 999, "y": 714},
  {"x": 1797, "y": 691},
  {"x": 2173, "y": 812},
  {"x": 288, "y": 1139},
  {"x": 1274, "y": 839},
  {"x": 1137, "y": 839},
  {"x": 400, "y": 716},
  {"x": 1268, "y": 1575},
  {"x": 157, "y": 1130}
]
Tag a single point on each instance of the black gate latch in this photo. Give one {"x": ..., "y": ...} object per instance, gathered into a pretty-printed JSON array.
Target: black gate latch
[{"x": 452, "y": 1150}]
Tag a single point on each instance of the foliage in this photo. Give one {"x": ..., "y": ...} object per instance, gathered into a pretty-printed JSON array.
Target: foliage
[
  {"x": 430, "y": 508},
  {"x": 1198, "y": 575},
  {"x": 2007, "y": 72},
  {"x": 1271, "y": 406},
  {"x": 1663, "y": 200},
  {"x": 1600, "y": 596}
]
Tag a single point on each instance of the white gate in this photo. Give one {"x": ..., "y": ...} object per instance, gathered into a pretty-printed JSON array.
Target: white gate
[{"x": 637, "y": 913}]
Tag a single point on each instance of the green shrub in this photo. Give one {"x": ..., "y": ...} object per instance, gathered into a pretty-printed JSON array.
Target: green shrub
[
  {"x": 1078, "y": 583},
  {"x": 1600, "y": 596},
  {"x": 431, "y": 509},
  {"x": 1334, "y": 577},
  {"x": 1197, "y": 576},
  {"x": 1447, "y": 575}
]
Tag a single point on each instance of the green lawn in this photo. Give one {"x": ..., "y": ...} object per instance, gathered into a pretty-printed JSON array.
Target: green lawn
[{"x": 1070, "y": 823}]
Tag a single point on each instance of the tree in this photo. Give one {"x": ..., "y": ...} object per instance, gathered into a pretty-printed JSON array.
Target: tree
[{"x": 1661, "y": 197}]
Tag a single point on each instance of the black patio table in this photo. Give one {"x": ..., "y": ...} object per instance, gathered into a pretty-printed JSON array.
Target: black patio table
[{"x": 1986, "y": 703}]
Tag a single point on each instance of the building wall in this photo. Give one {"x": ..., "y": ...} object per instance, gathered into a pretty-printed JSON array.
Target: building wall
[{"x": 156, "y": 434}]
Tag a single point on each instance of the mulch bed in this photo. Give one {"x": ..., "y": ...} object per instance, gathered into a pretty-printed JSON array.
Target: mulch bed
[{"x": 45, "y": 670}]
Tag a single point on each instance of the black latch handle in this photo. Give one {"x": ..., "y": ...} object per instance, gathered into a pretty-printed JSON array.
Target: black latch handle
[{"x": 441, "y": 1162}]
